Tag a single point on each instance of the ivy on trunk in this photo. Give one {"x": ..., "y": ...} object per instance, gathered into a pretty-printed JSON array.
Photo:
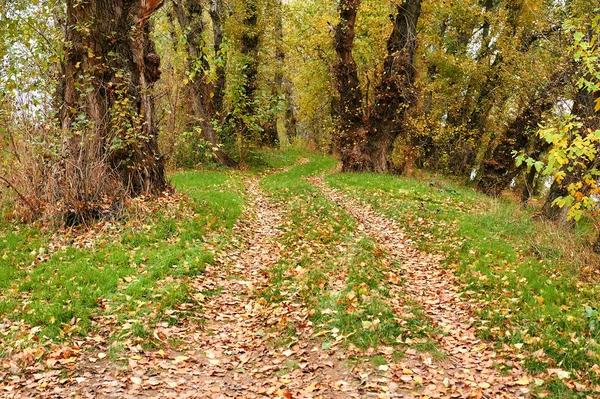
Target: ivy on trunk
[
  {"x": 365, "y": 140},
  {"x": 110, "y": 66}
]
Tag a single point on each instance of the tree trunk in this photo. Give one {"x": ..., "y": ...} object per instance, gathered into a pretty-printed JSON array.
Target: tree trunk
[
  {"x": 366, "y": 143},
  {"x": 219, "y": 89},
  {"x": 291, "y": 128},
  {"x": 110, "y": 66},
  {"x": 549, "y": 210},
  {"x": 349, "y": 109},
  {"x": 278, "y": 90},
  {"x": 396, "y": 92},
  {"x": 499, "y": 168},
  {"x": 250, "y": 40},
  {"x": 202, "y": 92},
  {"x": 529, "y": 187},
  {"x": 596, "y": 246}
]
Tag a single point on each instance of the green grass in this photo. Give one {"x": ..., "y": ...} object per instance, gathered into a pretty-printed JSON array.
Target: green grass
[
  {"x": 135, "y": 275},
  {"x": 535, "y": 298},
  {"x": 268, "y": 158}
]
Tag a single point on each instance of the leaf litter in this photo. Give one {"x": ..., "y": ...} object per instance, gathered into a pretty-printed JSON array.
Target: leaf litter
[
  {"x": 224, "y": 344},
  {"x": 471, "y": 367},
  {"x": 219, "y": 349}
]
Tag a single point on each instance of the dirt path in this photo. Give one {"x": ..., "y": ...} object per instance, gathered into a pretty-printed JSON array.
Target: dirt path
[
  {"x": 236, "y": 345},
  {"x": 470, "y": 367},
  {"x": 231, "y": 353}
]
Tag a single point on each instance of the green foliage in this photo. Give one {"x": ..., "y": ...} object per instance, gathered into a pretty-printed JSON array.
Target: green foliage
[
  {"x": 479, "y": 62},
  {"x": 309, "y": 57},
  {"x": 192, "y": 150},
  {"x": 593, "y": 316},
  {"x": 575, "y": 140}
]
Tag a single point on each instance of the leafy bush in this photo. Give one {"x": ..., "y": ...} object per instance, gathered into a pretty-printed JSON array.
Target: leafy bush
[{"x": 192, "y": 150}]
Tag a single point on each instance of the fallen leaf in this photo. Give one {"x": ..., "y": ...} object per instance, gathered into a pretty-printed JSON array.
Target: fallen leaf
[{"x": 136, "y": 380}]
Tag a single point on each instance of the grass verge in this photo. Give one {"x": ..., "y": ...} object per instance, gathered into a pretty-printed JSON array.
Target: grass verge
[{"x": 125, "y": 277}]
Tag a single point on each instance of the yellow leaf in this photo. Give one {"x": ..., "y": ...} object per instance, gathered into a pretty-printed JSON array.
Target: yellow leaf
[
  {"x": 561, "y": 374},
  {"x": 522, "y": 381},
  {"x": 541, "y": 300},
  {"x": 538, "y": 382}
]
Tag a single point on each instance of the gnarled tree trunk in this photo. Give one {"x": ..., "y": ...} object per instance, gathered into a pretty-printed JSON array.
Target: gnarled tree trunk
[
  {"x": 397, "y": 92},
  {"x": 349, "y": 109},
  {"x": 110, "y": 66},
  {"x": 365, "y": 143}
]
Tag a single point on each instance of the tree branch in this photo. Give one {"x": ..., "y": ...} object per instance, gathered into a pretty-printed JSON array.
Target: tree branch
[{"x": 21, "y": 196}]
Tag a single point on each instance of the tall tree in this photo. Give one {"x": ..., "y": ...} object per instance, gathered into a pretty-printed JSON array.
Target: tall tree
[
  {"x": 499, "y": 168},
  {"x": 351, "y": 135},
  {"x": 110, "y": 66},
  {"x": 249, "y": 51},
  {"x": 396, "y": 92},
  {"x": 365, "y": 141},
  {"x": 206, "y": 97},
  {"x": 216, "y": 12}
]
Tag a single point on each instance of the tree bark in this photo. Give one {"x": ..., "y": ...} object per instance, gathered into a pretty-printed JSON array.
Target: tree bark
[
  {"x": 529, "y": 186},
  {"x": 349, "y": 108},
  {"x": 219, "y": 89},
  {"x": 278, "y": 90},
  {"x": 499, "y": 168},
  {"x": 365, "y": 143},
  {"x": 596, "y": 246},
  {"x": 549, "y": 211},
  {"x": 250, "y": 40},
  {"x": 202, "y": 92},
  {"x": 396, "y": 92},
  {"x": 110, "y": 66}
]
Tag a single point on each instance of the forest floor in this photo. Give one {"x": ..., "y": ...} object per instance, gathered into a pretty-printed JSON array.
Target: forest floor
[{"x": 295, "y": 281}]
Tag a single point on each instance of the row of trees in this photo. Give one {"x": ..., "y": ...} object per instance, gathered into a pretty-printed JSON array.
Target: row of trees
[
  {"x": 100, "y": 96},
  {"x": 89, "y": 121},
  {"x": 464, "y": 88}
]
